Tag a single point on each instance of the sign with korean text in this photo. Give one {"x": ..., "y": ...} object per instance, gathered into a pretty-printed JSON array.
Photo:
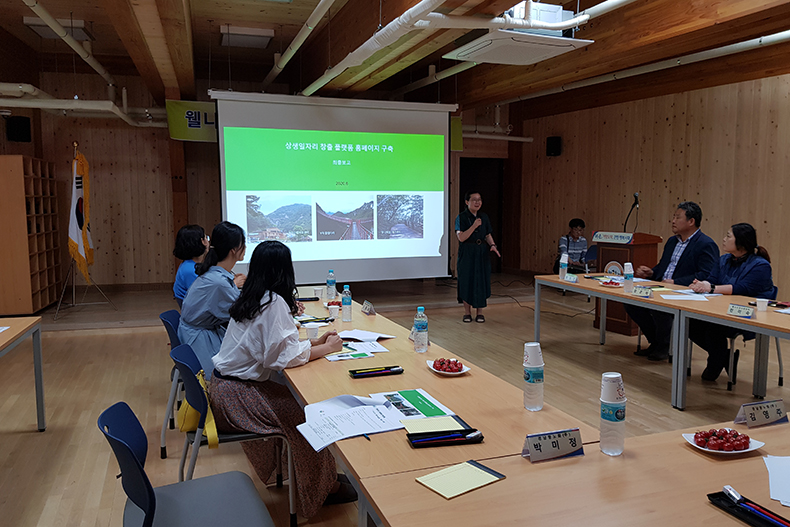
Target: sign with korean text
[
  {"x": 740, "y": 311},
  {"x": 553, "y": 445},
  {"x": 762, "y": 413},
  {"x": 642, "y": 291},
  {"x": 192, "y": 121},
  {"x": 572, "y": 278},
  {"x": 613, "y": 237}
]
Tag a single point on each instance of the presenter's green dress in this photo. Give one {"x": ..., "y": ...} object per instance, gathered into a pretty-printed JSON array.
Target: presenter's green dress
[{"x": 474, "y": 263}]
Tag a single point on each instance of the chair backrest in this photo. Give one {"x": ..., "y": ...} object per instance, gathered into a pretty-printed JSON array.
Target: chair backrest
[
  {"x": 171, "y": 319},
  {"x": 774, "y": 294},
  {"x": 130, "y": 445},
  {"x": 592, "y": 253},
  {"x": 188, "y": 366}
]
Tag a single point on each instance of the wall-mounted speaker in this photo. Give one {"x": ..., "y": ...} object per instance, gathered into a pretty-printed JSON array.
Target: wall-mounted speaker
[
  {"x": 553, "y": 146},
  {"x": 17, "y": 129}
]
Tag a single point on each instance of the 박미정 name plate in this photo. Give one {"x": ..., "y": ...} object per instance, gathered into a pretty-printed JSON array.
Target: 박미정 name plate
[
  {"x": 553, "y": 445},
  {"x": 762, "y": 413}
]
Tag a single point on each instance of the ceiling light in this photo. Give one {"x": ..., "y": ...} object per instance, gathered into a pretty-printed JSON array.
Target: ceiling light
[
  {"x": 245, "y": 37},
  {"x": 44, "y": 31}
]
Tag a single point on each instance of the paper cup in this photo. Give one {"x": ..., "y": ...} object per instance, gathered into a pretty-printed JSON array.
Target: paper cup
[
  {"x": 532, "y": 355},
  {"x": 334, "y": 311},
  {"x": 312, "y": 329},
  {"x": 319, "y": 292},
  {"x": 612, "y": 388},
  {"x": 762, "y": 304}
]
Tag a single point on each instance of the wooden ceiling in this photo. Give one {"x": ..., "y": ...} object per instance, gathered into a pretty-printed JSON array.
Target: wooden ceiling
[{"x": 169, "y": 43}]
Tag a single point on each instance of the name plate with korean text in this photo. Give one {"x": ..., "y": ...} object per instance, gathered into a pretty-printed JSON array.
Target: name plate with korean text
[
  {"x": 613, "y": 237},
  {"x": 740, "y": 311},
  {"x": 642, "y": 291},
  {"x": 572, "y": 278},
  {"x": 553, "y": 445},
  {"x": 762, "y": 413},
  {"x": 368, "y": 309}
]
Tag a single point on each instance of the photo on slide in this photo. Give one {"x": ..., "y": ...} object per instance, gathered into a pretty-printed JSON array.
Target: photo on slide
[
  {"x": 399, "y": 216},
  {"x": 285, "y": 218},
  {"x": 351, "y": 219}
]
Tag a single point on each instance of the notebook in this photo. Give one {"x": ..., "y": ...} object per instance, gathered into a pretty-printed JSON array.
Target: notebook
[
  {"x": 444, "y": 423},
  {"x": 460, "y": 479}
]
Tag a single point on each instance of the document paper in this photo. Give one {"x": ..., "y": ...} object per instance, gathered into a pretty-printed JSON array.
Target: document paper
[
  {"x": 460, "y": 479},
  {"x": 347, "y": 416},
  {"x": 414, "y": 404}
]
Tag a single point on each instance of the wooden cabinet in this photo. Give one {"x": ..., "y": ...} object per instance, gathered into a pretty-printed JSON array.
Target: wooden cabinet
[{"x": 30, "y": 269}]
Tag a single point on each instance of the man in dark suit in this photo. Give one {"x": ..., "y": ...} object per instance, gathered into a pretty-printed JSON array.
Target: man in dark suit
[{"x": 689, "y": 255}]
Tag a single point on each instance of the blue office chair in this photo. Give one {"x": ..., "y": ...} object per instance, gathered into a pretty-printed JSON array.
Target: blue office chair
[
  {"x": 592, "y": 256},
  {"x": 171, "y": 319},
  {"x": 228, "y": 499},
  {"x": 188, "y": 366}
]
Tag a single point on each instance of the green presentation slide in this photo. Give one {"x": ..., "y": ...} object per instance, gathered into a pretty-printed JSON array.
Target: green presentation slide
[{"x": 268, "y": 159}]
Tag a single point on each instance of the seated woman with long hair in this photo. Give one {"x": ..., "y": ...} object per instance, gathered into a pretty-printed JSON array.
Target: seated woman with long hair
[
  {"x": 744, "y": 269},
  {"x": 204, "y": 313},
  {"x": 247, "y": 390}
]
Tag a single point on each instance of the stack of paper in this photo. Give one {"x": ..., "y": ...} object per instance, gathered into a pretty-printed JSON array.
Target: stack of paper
[
  {"x": 364, "y": 336},
  {"x": 460, "y": 479},
  {"x": 779, "y": 478}
]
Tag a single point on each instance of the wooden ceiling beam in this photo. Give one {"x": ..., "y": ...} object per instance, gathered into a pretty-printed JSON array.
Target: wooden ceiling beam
[
  {"x": 177, "y": 25},
  {"x": 641, "y": 33},
  {"x": 128, "y": 28}
]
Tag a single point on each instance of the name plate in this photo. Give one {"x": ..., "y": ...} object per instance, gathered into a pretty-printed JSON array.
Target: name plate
[
  {"x": 642, "y": 291},
  {"x": 572, "y": 278},
  {"x": 740, "y": 311},
  {"x": 553, "y": 445},
  {"x": 762, "y": 413},
  {"x": 613, "y": 237},
  {"x": 368, "y": 309}
]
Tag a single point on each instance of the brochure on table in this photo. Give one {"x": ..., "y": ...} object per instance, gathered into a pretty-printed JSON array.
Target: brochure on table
[
  {"x": 362, "y": 335},
  {"x": 347, "y": 416}
]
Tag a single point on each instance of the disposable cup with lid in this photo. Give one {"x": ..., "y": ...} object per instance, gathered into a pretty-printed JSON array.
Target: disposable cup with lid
[
  {"x": 612, "y": 388},
  {"x": 532, "y": 354}
]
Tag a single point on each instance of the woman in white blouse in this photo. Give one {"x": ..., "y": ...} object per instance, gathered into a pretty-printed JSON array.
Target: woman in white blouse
[{"x": 247, "y": 393}]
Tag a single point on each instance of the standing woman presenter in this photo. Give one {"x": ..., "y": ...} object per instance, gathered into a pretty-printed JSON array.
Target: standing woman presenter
[{"x": 473, "y": 229}]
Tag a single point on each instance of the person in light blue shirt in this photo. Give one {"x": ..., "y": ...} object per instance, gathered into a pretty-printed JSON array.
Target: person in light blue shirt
[
  {"x": 191, "y": 246},
  {"x": 204, "y": 313}
]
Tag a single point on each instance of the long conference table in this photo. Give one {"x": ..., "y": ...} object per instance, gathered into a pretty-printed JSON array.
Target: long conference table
[
  {"x": 19, "y": 329},
  {"x": 484, "y": 401},
  {"x": 659, "y": 478},
  {"x": 766, "y": 324}
]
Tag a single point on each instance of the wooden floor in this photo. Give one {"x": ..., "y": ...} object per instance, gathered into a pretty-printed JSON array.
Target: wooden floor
[{"x": 66, "y": 475}]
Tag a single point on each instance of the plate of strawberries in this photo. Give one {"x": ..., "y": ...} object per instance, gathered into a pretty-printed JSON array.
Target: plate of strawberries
[{"x": 444, "y": 366}]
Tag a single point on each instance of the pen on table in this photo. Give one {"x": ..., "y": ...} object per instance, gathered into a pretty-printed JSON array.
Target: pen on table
[
  {"x": 366, "y": 436},
  {"x": 375, "y": 372},
  {"x": 349, "y": 347},
  {"x": 765, "y": 516},
  {"x": 369, "y": 370},
  {"x": 451, "y": 436}
]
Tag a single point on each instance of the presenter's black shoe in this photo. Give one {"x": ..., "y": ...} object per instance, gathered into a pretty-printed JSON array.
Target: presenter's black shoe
[
  {"x": 644, "y": 352},
  {"x": 659, "y": 354},
  {"x": 711, "y": 373},
  {"x": 345, "y": 494}
]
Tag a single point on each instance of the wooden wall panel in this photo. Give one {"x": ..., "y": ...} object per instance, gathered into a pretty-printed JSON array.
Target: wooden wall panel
[
  {"x": 131, "y": 199},
  {"x": 723, "y": 147}
]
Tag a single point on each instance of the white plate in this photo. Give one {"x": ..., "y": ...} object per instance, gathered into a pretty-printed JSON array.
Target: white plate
[
  {"x": 463, "y": 370},
  {"x": 753, "y": 445},
  {"x": 609, "y": 285}
]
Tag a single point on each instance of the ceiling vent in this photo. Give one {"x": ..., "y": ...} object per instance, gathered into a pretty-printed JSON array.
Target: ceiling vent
[
  {"x": 75, "y": 28},
  {"x": 245, "y": 37},
  {"x": 516, "y": 48}
]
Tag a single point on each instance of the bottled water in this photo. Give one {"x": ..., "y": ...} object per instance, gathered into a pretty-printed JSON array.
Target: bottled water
[
  {"x": 612, "y": 428},
  {"x": 533, "y": 377},
  {"x": 346, "y": 304},
  {"x": 331, "y": 289},
  {"x": 563, "y": 266},
  {"x": 628, "y": 283},
  {"x": 420, "y": 331}
]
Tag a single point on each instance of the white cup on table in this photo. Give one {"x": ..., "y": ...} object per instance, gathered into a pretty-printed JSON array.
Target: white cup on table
[
  {"x": 312, "y": 329},
  {"x": 318, "y": 292},
  {"x": 762, "y": 304},
  {"x": 334, "y": 312}
]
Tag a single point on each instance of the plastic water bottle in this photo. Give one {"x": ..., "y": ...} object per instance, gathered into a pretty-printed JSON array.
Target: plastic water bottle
[
  {"x": 346, "y": 300},
  {"x": 533, "y": 377},
  {"x": 628, "y": 283},
  {"x": 420, "y": 331},
  {"x": 563, "y": 266},
  {"x": 331, "y": 289},
  {"x": 612, "y": 428}
]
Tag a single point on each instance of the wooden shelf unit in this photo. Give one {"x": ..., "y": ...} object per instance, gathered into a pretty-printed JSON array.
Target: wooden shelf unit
[{"x": 30, "y": 270}]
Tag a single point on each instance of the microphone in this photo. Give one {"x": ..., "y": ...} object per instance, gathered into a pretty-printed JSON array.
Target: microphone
[
  {"x": 635, "y": 204},
  {"x": 636, "y": 199}
]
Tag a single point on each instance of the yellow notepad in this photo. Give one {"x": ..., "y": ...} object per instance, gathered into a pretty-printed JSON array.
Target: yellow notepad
[
  {"x": 444, "y": 423},
  {"x": 460, "y": 479}
]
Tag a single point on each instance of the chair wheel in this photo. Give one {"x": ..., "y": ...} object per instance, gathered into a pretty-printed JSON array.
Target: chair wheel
[{"x": 163, "y": 452}]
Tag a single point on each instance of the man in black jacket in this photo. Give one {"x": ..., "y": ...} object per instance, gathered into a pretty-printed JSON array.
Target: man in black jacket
[{"x": 688, "y": 255}]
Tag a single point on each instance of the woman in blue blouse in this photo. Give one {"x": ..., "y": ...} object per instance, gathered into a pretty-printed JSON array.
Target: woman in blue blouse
[
  {"x": 204, "y": 314},
  {"x": 744, "y": 269},
  {"x": 191, "y": 246}
]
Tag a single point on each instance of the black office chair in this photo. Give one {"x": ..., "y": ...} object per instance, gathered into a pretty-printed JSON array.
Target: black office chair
[
  {"x": 171, "y": 319},
  {"x": 228, "y": 499}
]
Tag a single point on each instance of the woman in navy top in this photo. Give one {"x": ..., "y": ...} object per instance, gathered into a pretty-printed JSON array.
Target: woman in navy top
[
  {"x": 744, "y": 269},
  {"x": 191, "y": 246}
]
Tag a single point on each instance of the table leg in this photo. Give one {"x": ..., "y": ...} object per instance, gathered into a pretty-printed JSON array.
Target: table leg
[
  {"x": 37, "y": 365},
  {"x": 602, "y": 319},
  {"x": 760, "y": 365},
  {"x": 678, "y": 343},
  {"x": 537, "y": 312},
  {"x": 367, "y": 515}
]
